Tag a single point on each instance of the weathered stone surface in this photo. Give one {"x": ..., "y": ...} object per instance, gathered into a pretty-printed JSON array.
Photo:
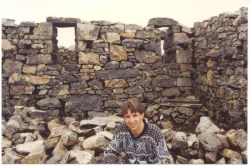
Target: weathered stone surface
[
  {"x": 196, "y": 161},
  {"x": 11, "y": 157},
  {"x": 39, "y": 59},
  {"x": 28, "y": 24},
  {"x": 206, "y": 125},
  {"x": 183, "y": 56},
  {"x": 117, "y": 74},
  {"x": 237, "y": 81},
  {"x": 209, "y": 141},
  {"x": 10, "y": 66},
  {"x": 69, "y": 137},
  {"x": 115, "y": 83},
  {"x": 111, "y": 37},
  {"x": 134, "y": 90},
  {"x": 180, "y": 38},
  {"x": 94, "y": 142},
  {"x": 163, "y": 81},
  {"x": 171, "y": 92},
  {"x": 132, "y": 43},
  {"x": 21, "y": 90},
  {"x": 62, "y": 20},
  {"x": 145, "y": 57},
  {"x": 83, "y": 103},
  {"x": 211, "y": 157},
  {"x": 36, "y": 80},
  {"x": 7, "y": 46},
  {"x": 28, "y": 147},
  {"x": 89, "y": 58},
  {"x": 180, "y": 140},
  {"x": 49, "y": 102},
  {"x": 43, "y": 31},
  {"x": 81, "y": 157},
  {"x": 118, "y": 53},
  {"x": 184, "y": 82},
  {"x": 162, "y": 22},
  {"x": 60, "y": 150},
  {"x": 66, "y": 78},
  {"x": 87, "y": 32},
  {"x": 228, "y": 153},
  {"x": 8, "y": 22}
]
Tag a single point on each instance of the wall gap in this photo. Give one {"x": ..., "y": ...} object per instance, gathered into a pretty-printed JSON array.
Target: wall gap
[
  {"x": 66, "y": 37},
  {"x": 163, "y": 37}
]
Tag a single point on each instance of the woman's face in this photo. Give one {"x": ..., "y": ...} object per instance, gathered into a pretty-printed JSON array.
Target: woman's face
[{"x": 134, "y": 120}]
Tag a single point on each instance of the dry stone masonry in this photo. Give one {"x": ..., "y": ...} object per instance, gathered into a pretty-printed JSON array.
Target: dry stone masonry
[{"x": 64, "y": 103}]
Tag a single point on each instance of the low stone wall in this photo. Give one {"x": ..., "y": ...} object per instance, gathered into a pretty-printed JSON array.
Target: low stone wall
[{"x": 220, "y": 72}]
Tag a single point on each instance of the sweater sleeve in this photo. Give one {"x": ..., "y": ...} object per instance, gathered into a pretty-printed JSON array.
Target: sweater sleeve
[
  {"x": 113, "y": 150},
  {"x": 163, "y": 155}
]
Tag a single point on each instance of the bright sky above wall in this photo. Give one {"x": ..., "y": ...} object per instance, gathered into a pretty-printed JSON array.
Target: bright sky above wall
[{"x": 126, "y": 11}]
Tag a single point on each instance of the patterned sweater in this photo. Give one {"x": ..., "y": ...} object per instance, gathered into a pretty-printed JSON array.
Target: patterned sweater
[{"x": 148, "y": 148}]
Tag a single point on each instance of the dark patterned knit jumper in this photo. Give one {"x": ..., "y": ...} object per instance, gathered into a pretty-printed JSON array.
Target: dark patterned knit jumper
[{"x": 148, "y": 148}]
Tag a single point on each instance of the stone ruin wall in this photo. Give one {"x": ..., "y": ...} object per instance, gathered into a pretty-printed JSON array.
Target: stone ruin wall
[
  {"x": 202, "y": 72},
  {"x": 220, "y": 72}
]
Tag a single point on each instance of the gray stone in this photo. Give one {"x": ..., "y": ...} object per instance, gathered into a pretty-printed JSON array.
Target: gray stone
[
  {"x": 119, "y": 73},
  {"x": 180, "y": 38},
  {"x": 162, "y": 22},
  {"x": 28, "y": 147},
  {"x": 180, "y": 140},
  {"x": 63, "y": 20},
  {"x": 39, "y": 59},
  {"x": 28, "y": 24},
  {"x": 196, "y": 161},
  {"x": 53, "y": 160},
  {"x": 7, "y": 45},
  {"x": 69, "y": 137},
  {"x": 241, "y": 139},
  {"x": 106, "y": 134},
  {"x": 235, "y": 161},
  {"x": 221, "y": 161},
  {"x": 10, "y": 66},
  {"x": 211, "y": 157},
  {"x": 171, "y": 92},
  {"x": 134, "y": 90},
  {"x": 83, "y": 103},
  {"x": 163, "y": 81},
  {"x": 132, "y": 43},
  {"x": 81, "y": 157},
  {"x": 145, "y": 57},
  {"x": 49, "y": 102},
  {"x": 206, "y": 125},
  {"x": 209, "y": 141},
  {"x": 183, "y": 56},
  {"x": 237, "y": 81},
  {"x": 11, "y": 157},
  {"x": 87, "y": 32},
  {"x": 95, "y": 142},
  {"x": 43, "y": 31},
  {"x": 8, "y": 22}
]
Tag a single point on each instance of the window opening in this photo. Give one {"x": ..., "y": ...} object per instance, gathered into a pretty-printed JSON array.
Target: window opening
[
  {"x": 163, "y": 37},
  {"x": 66, "y": 37}
]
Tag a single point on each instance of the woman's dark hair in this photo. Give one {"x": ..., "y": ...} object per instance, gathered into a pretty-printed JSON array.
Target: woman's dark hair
[{"x": 133, "y": 105}]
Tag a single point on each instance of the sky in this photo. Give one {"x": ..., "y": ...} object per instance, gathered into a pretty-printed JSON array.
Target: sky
[{"x": 138, "y": 12}]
